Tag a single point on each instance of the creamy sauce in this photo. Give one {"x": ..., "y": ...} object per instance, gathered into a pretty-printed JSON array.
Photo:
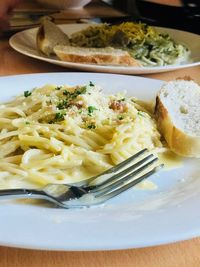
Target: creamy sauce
[
  {"x": 171, "y": 160},
  {"x": 148, "y": 106},
  {"x": 147, "y": 185}
]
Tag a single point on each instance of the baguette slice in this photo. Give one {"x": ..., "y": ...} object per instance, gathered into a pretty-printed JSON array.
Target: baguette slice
[
  {"x": 177, "y": 112},
  {"x": 48, "y": 36},
  {"x": 101, "y": 56}
]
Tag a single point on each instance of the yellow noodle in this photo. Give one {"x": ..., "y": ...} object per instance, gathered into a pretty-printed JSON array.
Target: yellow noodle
[{"x": 66, "y": 134}]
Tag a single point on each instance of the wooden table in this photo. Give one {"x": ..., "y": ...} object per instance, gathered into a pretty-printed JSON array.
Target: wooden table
[{"x": 182, "y": 254}]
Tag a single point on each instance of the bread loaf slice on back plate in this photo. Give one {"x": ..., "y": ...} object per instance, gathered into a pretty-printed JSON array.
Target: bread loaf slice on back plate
[
  {"x": 100, "y": 56},
  {"x": 48, "y": 36},
  {"x": 177, "y": 112}
]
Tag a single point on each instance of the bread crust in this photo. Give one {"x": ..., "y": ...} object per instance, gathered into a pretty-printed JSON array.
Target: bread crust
[
  {"x": 178, "y": 141},
  {"x": 40, "y": 37},
  {"x": 48, "y": 36},
  {"x": 100, "y": 59}
]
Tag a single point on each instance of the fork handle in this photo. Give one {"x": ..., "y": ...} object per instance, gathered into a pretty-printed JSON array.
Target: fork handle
[{"x": 20, "y": 193}]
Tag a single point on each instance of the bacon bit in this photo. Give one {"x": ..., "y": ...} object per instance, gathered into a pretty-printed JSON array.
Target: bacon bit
[
  {"x": 78, "y": 104},
  {"x": 49, "y": 109},
  {"x": 119, "y": 122},
  {"x": 84, "y": 119},
  {"x": 119, "y": 106}
]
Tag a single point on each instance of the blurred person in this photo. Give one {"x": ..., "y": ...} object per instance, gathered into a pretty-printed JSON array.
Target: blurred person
[{"x": 6, "y": 7}]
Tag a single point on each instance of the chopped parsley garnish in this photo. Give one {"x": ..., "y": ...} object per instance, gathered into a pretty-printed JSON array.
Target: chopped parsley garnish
[
  {"x": 140, "y": 113},
  {"x": 77, "y": 92},
  {"x": 27, "y": 122},
  {"x": 27, "y": 93},
  {"x": 58, "y": 87},
  {"x": 67, "y": 93},
  {"x": 91, "y": 126},
  {"x": 91, "y": 109},
  {"x": 81, "y": 91},
  {"x": 120, "y": 117},
  {"x": 122, "y": 99},
  {"x": 59, "y": 116},
  {"x": 62, "y": 104},
  {"x": 91, "y": 84}
]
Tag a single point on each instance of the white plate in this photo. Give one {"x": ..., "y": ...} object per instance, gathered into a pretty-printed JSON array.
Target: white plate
[
  {"x": 137, "y": 218},
  {"x": 25, "y": 43}
]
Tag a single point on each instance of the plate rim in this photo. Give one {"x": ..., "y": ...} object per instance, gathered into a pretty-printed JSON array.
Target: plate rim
[{"x": 190, "y": 233}]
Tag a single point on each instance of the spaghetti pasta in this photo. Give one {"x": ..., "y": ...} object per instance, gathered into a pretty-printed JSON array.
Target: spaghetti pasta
[{"x": 62, "y": 134}]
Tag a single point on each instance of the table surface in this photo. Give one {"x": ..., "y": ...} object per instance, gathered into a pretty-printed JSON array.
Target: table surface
[{"x": 181, "y": 254}]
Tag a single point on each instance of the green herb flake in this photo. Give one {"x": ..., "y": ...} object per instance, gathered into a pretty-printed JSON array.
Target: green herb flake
[
  {"x": 77, "y": 92},
  {"x": 58, "y": 87},
  {"x": 81, "y": 91},
  {"x": 59, "y": 116},
  {"x": 67, "y": 93},
  {"x": 62, "y": 104},
  {"x": 120, "y": 117},
  {"x": 91, "y": 126},
  {"x": 91, "y": 84},
  {"x": 91, "y": 109},
  {"x": 27, "y": 93},
  {"x": 27, "y": 122},
  {"x": 140, "y": 113}
]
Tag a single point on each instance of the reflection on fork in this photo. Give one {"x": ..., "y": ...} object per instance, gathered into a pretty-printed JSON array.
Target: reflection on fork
[{"x": 99, "y": 188}]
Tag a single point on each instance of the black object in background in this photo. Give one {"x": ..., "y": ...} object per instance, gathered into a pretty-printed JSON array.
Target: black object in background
[{"x": 186, "y": 17}]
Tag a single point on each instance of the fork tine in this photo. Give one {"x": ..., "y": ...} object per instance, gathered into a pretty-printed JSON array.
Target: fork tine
[
  {"x": 129, "y": 176},
  {"x": 125, "y": 187},
  {"x": 110, "y": 172},
  {"x": 120, "y": 175}
]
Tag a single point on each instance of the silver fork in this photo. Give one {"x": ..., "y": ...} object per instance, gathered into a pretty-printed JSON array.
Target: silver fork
[{"x": 99, "y": 188}]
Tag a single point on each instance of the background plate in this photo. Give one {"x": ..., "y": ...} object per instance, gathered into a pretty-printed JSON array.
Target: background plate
[
  {"x": 137, "y": 218},
  {"x": 25, "y": 43}
]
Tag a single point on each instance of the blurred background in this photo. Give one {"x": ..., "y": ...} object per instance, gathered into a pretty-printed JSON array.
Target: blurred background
[{"x": 179, "y": 14}]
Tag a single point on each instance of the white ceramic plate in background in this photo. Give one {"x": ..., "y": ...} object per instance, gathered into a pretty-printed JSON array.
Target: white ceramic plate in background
[
  {"x": 25, "y": 43},
  {"x": 136, "y": 218}
]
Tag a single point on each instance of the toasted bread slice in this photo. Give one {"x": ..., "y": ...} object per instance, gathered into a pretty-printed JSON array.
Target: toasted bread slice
[
  {"x": 177, "y": 112},
  {"x": 101, "y": 56},
  {"x": 48, "y": 36}
]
